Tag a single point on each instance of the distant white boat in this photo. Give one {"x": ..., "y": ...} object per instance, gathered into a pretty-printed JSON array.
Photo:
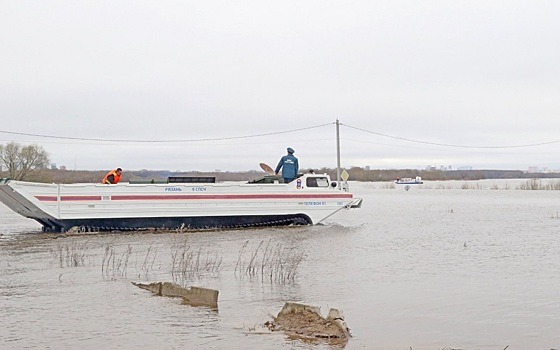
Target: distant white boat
[
  {"x": 409, "y": 181},
  {"x": 190, "y": 203}
]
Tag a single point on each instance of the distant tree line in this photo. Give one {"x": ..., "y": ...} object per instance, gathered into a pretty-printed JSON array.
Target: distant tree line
[
  {"x": 360, "y": 174},
  {"x": 356, "y": 174},
  {"x": 31, "y": 162}
]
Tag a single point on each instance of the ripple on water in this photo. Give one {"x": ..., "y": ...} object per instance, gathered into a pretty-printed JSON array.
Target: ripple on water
[{"x": 428, "y": 268}]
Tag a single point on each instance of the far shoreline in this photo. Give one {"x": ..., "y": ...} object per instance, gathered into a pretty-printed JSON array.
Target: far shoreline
[{"x": 356, "y": 174}]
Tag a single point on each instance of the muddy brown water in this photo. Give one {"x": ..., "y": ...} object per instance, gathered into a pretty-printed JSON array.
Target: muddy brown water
[{"x": 433, "y": 267}]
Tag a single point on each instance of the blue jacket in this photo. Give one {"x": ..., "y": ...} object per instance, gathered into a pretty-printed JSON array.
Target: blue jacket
[{"x": 289, "y": 165}]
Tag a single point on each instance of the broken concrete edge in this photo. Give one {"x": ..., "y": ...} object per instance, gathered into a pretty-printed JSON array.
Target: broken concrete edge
[
  {"x": 291, "y": 307},
  {"x": 337, "y": 317},
  {"x": 306, "y": 313},
  {"x": 195, "y": 296},
  {"x": 152, "y": 287}
]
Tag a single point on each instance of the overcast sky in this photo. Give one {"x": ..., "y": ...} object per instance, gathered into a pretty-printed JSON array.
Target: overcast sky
[{"x": 413, "y": 83}]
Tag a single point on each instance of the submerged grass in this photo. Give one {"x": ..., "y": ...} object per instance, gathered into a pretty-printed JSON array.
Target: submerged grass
[
  {"x": 272, "y": 262},
  {"x": 537, "y": 184},
  {"x": 115, "y": 263},
  {"x": 188, "y": 264},
  {"x": 149, "y": 260},
  {"x": 267, "y": 261},
  {"x": 71, "y": 255}
]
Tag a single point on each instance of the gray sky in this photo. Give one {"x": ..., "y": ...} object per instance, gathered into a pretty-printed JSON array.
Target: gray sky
[{"x": 461, "y": 73}]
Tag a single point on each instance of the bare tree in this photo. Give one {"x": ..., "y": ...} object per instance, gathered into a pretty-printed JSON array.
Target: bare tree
[{"x": 20, "y": 161}]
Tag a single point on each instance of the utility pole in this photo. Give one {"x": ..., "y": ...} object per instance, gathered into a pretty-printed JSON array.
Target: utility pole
[{"x": 338, "y": 153}]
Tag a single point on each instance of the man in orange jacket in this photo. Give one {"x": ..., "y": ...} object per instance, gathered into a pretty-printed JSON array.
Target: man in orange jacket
[{"x": 112, "y": 177}]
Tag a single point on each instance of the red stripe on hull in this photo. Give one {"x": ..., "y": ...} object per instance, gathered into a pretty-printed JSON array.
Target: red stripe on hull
[
  {"x": 226, "y": 196},
  {"x": 46, "y": 198},
  {"x": 68, "y": 198},
  {"x": 195, "y": 197}
]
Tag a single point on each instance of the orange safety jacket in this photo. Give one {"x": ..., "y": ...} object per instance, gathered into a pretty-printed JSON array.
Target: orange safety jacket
[{"x": 116, "y": 177}]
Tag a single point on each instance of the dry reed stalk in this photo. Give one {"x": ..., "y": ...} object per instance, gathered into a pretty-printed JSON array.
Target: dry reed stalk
[
  {"x": 239, "y": 263},
  {"x": 277, "y": 263},
  {"x": 187, "y": 264},
  {"x": 113, "y": 267},
  {"x": 71, "y": 255}
]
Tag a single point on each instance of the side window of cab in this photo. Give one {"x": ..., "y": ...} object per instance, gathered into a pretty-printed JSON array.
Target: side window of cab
[{"x": 317, "y": 182}]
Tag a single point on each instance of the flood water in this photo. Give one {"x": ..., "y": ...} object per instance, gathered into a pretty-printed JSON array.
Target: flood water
[{"x": 461, "y": 265}]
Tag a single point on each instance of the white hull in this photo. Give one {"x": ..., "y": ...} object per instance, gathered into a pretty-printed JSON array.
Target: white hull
[{"x": 59, "y": 207}]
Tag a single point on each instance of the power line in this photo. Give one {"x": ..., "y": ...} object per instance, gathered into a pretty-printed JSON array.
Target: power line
[
  {"x": 447, "y": 150},
  {"x": 162, "y": 141},
  {"x": 274, "y": 133},
  {"x": 226, "y": 143},
  {"x": 447, "y": 144}
]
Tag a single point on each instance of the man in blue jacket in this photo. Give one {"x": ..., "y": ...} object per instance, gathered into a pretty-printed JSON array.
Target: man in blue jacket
[{"x": 289, "y": 165}]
